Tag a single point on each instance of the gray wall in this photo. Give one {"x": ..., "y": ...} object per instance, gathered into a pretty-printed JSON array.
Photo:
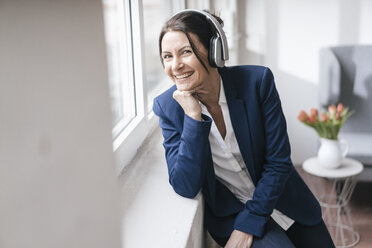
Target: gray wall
[{"x": 57, "y": 180}]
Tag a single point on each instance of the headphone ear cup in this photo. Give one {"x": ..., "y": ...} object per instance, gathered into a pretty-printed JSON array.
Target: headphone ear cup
[
  {"x": 212, "y": 52},
  {"x": 215, "y": 52}
]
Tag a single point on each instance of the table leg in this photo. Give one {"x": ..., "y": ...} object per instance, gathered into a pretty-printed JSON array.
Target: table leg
[{"x": 334, "y": 196}]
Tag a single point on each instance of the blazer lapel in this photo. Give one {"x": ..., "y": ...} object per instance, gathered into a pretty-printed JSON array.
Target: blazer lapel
[{"x": 239, "y": 119}]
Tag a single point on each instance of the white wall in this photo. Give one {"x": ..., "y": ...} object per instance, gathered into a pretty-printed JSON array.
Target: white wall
[
  {"x": 57, "y": 180},
  {"x": 286, "y": 35}
]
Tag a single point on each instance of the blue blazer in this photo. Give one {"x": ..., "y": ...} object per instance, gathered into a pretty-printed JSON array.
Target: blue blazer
[{"x": 260, "y": 129}]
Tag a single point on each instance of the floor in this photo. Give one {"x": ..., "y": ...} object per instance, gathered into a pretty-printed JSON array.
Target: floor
[
  {"x": 361, "y": 210},
  {"x": 361, "y": 206}
]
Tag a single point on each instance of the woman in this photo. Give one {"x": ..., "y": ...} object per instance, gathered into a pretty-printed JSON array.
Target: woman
[{"x": 225, "y": 134}]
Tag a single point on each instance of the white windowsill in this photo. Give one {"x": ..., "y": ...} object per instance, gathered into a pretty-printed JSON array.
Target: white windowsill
[{"x": 154, "y": 215}]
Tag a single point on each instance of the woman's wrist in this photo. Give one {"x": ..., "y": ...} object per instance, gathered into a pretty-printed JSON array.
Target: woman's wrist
[{"x": 195, "y": 116}]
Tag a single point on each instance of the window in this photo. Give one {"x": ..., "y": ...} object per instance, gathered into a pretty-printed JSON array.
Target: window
[
  {"x": 134, "y": 69},
  {"x": 155, "y": 13},
  {"x": 120, "y": 66}
]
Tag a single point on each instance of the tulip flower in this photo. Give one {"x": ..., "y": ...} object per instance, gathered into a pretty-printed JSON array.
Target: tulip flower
[
  {"x": 324, "y": 117},
  {"x": 313, "y": 112},
  {"x": 302, "y": 116},
  {"x": 340, "y": 108},
  {"x": 312, "y": 119},
  {"x": 329, "y": 123},
  {"x": 338, "y": 116},
  {"x": 332, "y": 109}
]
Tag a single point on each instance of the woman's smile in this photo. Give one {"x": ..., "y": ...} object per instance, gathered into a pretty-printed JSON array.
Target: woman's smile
[{"x": 183, "y": 76}]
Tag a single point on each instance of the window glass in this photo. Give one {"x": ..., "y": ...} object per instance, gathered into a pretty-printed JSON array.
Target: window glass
[
  {"x": 119, "y": 60},
  {"x": 155, "y": 13}
]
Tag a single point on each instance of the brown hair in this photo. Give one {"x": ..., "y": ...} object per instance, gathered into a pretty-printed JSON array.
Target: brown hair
[{"x": 191, "y": 22}]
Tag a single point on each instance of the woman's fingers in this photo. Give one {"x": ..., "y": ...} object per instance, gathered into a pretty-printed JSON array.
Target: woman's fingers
[
  {"x": 239, "y": 239},
  {"x": 189, "y": 103},
  {"x": 182, "y": 93}
]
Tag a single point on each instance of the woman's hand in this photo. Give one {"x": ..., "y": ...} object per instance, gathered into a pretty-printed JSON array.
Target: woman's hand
[
  {"x": 239, "y": 239},
  {"x": 189, "y": 103}
]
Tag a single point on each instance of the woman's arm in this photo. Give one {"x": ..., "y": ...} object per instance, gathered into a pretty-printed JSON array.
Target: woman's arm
[
  {"x": 186, "y": 152},
  {"x": 277, "y": 163}
]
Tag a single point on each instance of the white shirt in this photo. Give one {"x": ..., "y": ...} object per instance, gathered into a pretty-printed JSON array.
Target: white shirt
[{"x": 229, "y": 165}]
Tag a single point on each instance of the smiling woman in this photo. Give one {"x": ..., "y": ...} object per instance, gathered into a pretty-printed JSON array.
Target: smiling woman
[
  {"x": 225, "y": 134},
  {"x": 191, "y": 72}
]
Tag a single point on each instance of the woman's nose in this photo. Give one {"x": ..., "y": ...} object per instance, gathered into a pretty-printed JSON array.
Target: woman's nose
[{"x": 177, "y": 64}]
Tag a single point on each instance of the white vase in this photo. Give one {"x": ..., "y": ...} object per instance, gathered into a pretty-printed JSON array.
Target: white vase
[{"x": 330, "y": 155}]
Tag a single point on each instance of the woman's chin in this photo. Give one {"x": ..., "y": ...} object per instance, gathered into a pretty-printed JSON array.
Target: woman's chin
[
  {"x": 186, "y": 86},
  {"x": 183, "y": 87}
]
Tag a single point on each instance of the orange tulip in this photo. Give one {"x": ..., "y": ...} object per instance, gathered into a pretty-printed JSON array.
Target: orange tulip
[
  {"x": 324, "y": 117},
  {"x": 340, "y": 108},
  {"x": 302, "y": 116},
  {"x": 327, "y": 123},
  {"x": 332, "y": 109},
  {"x": 313, "y": 112},
  {"x": 312, "y": 119}
]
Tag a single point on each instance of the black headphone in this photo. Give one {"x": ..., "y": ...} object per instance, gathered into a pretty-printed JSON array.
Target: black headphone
[{"x": 218, "y": 50}]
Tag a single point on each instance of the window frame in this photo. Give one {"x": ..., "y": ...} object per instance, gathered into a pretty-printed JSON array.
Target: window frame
[{"x": 127, "y": 142}]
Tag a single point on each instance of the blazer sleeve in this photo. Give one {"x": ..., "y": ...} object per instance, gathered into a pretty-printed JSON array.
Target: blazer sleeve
[
  {"x": 277, "y": 162},
  {"x": 185, "y": 152}
]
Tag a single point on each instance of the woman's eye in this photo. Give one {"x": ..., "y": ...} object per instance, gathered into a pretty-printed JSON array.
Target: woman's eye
[
  {"x": 186, "y": 51},
  {"x": 167, "y": 56}
]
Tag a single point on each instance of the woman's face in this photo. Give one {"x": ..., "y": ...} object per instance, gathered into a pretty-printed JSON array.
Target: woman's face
[{"x": 181, "y": 63}]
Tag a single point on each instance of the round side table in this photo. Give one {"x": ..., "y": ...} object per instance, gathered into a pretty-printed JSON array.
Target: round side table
[{"x": 333, "y": 188}]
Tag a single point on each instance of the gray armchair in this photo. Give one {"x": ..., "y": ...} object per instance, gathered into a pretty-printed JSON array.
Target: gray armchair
[{"x": 346, "y": 76}]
